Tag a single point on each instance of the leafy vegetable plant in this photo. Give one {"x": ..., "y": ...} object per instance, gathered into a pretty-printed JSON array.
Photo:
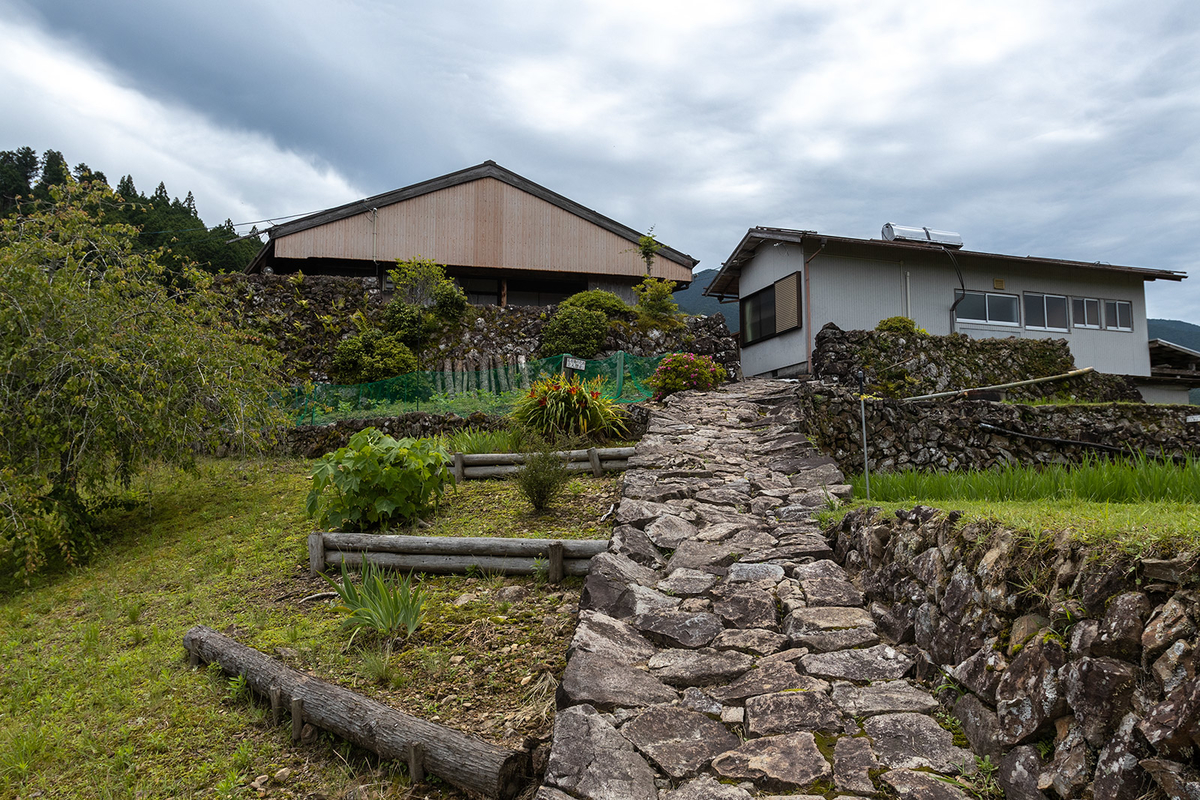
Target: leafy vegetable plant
[{"x": 376, "y": 480}]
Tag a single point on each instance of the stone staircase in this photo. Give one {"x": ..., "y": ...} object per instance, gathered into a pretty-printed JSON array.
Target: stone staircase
[{"x": 720, "y": 652}]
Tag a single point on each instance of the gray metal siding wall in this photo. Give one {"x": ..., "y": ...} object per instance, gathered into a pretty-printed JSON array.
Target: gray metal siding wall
[
  {"x": 856, "y": 294},
  {"x": 786, "y": 352}
]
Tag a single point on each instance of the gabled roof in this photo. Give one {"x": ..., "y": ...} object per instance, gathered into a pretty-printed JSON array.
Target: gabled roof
[
  {"x": 488, "y": 169},
  {"x": 725, "y": 284}
]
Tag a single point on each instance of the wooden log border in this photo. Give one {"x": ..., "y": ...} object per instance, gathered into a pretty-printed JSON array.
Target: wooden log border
[
  {"x": 452, "y": 554},
  {"x": 468, "y": 466},
  {"x": 465, "y": 761}
]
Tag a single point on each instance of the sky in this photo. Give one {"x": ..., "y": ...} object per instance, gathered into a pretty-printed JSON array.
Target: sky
[{"x": 1064, "y": 130}]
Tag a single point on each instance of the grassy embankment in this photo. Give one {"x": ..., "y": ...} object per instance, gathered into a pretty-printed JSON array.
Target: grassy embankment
[
  {"x": 97, "y": 699},
  {"x": 1133, "y": 507}
]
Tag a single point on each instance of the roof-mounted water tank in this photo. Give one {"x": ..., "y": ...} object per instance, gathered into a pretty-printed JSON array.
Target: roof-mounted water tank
[{"x": 905, "y": 233}]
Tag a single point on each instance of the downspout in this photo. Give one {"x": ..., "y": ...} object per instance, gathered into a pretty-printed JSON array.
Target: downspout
[
  {"x": 808, "y": 320},
  {"x": 962, "y": 285},
  {"x": 375, "y": 247}
]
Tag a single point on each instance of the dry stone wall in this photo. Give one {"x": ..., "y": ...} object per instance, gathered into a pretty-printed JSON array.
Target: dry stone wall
[
  {"x": 304, "y": 318},
  {"x": 943, "y": 435},
  {"x": 1075, "y": 675},
  {"x": 912, "y": 364}
]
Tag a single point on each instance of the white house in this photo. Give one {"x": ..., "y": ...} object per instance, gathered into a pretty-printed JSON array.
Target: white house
[{"x": 789, "y": 283}]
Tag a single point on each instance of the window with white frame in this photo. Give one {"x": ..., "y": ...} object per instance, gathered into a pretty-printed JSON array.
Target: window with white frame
[
  {"x": 1118, "y": 315},
  {"x": 1046, "y": 312},
  {"x": 1085, "y": 312},
  {"x": 994, "y": 309}
]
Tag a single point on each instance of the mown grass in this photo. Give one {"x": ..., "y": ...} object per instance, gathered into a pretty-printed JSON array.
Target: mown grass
[
  {"x": 97, "y": 699},
  {"x": 1131, "y": 506}
]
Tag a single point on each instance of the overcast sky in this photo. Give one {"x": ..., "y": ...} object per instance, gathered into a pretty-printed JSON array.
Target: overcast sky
[{"x": 1061, "y": 129}]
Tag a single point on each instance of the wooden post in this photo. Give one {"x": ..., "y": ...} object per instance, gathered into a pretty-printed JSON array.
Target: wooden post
[
  {"x": 297, "y": 718},
  {"x": 276, "y": 695},
  {"x": 460, "y": 465},
  {"x": 416, "y": 763},
  {"x": 556, "y": 562},
  {"x": 316, "y": 553},
  {"x": 594, "y": 457},
  {"x": 193, "y": 658}
]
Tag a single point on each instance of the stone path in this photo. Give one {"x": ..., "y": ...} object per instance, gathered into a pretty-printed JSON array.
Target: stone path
[{"x": 720, "y": 652}]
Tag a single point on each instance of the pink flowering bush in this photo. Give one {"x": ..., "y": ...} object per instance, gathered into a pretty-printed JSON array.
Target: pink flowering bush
[{"x": 680, "y": 371}]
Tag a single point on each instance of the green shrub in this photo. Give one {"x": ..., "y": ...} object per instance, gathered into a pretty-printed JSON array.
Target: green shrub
[
  {"x": 556, "y": 408},
  {"x": 371, "y": 356},
  {"x": 899, "y": 325},
  {"x": 422, "y": 282},
  {"x": 606, "y": 303},
  {"x": 679, "y": 371},
  {"x": 574, "y": 330},
  {"x": 656, "y": 307},
  {"x": 449, "y": 301},
  {"x": 376, "y": 480},
  {"x": 381, "y": 603},
  {"x": 543, "y": 478},
  {"x": 406, "y": 322}
]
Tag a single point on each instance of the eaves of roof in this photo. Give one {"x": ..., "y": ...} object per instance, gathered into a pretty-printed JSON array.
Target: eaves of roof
[
  {"x": 725, "y": 284},
  {"x": 488, "y": 169}
]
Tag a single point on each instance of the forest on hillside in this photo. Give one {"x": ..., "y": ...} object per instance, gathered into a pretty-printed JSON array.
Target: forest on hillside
[{"x": 165, "y": 223}]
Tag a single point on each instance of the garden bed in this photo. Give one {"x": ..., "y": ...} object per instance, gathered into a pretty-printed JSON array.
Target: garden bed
[{"x": 96, "y": 698}]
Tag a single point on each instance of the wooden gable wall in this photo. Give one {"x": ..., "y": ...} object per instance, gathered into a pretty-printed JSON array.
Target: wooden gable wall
[{"x": 483, "y": 223}]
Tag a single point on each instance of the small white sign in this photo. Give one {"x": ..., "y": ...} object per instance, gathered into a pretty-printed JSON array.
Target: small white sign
[
  {"x": 1194, "y": 418},
  {"x": 580, "y": 365}
]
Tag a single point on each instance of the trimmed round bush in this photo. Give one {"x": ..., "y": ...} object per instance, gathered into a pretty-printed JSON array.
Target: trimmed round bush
[
  {"x": 574, "y": 330},
  {"x": 606, "y": 303},
  {"x": 679, "y": 371},
  {"x": 899, "y": 325},
  {"x": 371, "y": 356}
]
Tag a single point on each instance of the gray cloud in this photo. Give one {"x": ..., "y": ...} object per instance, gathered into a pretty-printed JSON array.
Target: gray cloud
[{"x": 1063, "y": 130}]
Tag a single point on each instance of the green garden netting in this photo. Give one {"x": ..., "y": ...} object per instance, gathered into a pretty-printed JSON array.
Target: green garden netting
[{"x": 463, "y": 392}]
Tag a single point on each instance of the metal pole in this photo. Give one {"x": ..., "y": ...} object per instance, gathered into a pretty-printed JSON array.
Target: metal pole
[{"x": 862, "y": 410}]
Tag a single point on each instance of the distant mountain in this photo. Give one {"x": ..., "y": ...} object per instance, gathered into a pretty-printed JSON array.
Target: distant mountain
[
  {"x": 692, "y": 300},
  {"x": 1184, "y": 334}
]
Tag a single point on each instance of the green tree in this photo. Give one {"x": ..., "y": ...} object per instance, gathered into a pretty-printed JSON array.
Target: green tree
[
  {"x": 17, "y": 171},
  {"x": 105, "y": 367},
  {"x": 54, "y": 172},
  {"x": 648, "y": 247}
]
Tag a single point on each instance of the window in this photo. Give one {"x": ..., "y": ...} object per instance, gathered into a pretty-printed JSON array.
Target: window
[
  {"x": 1046, "y": 312},
  {"x": 758, "y": 315},
  {"x": 996, "y": 309},
  {"x": 773, "y": 310},
  {"x": 1118, "y": 315},
  {"x": 1085, "y": 312}
]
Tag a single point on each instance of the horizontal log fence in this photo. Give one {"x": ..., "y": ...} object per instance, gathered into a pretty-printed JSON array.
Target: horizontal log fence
[
  {"x": 453, "y": 554},
  {"x": 469, "y": 466},
  {"x": 469, "y": 763}
]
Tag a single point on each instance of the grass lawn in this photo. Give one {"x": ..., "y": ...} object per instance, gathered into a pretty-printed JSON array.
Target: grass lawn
[
  {"x": 1133, "y": 507},
  {"x": 97, "y": 699}
]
